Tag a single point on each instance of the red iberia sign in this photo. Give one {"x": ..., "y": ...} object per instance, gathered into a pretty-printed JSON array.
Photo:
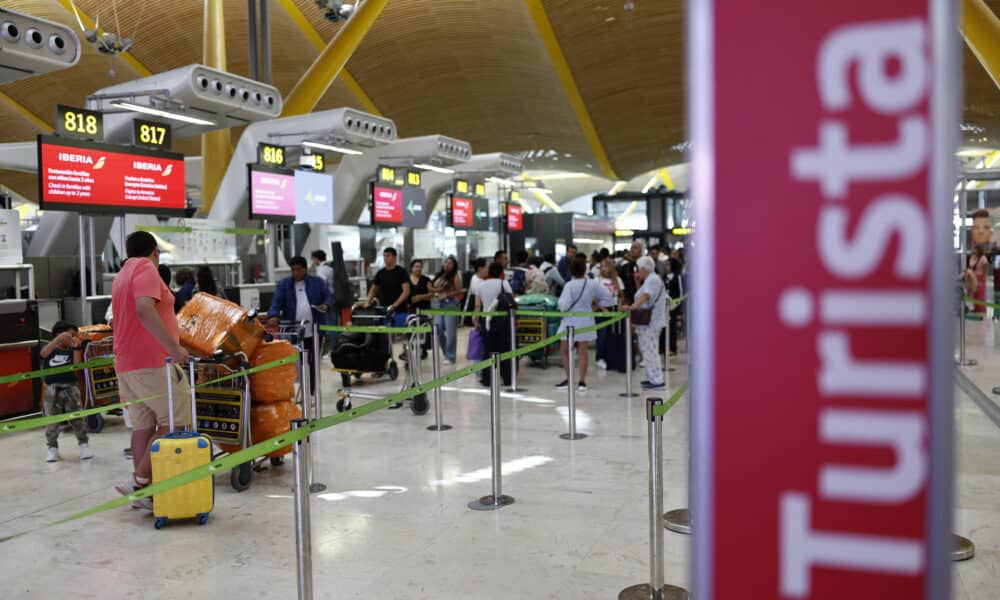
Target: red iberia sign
[
  {"x": 821, "y": 431},
  {"x": 515, "y": 217}
]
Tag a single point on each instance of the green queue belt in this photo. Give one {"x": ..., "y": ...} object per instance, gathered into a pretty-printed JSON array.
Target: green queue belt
[
  {"x": 440, "y": 312},
  {"x": 90, "y": 364},
  {"x": 982, "y": 303},
  {"x": 34, "y": 423},
  {"x": 282, "y": 440},
  {"x": 664, "y": 408}
]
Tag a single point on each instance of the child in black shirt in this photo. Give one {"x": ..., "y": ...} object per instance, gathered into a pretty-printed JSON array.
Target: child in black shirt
[{"x": 62, "y": 391}]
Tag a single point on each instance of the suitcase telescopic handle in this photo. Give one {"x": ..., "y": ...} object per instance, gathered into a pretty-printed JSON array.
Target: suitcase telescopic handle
[{"x": 170, "y": 392}]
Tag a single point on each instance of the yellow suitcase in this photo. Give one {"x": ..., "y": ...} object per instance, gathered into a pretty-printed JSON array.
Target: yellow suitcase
[{"x": 176, "y": 453}]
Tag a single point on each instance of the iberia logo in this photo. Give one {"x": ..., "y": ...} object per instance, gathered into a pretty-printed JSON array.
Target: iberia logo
[
  {"x": 168, "y": 170},
  {"x": 100, "y": 164},
  {"x": 284, "y": 183}
]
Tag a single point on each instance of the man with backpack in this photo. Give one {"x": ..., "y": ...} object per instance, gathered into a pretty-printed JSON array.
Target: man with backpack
[{"x": 552, "y": 276}]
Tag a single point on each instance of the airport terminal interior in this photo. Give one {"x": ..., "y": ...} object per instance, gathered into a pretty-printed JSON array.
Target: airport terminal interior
[{"x": 432, "y": 302}]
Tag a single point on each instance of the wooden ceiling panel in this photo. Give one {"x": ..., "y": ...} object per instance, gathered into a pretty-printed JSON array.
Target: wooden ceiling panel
[
  {"x": 982, "y": 99},
  {"x": 470, "y": 70},
  {"x": 629, "y": 68}
]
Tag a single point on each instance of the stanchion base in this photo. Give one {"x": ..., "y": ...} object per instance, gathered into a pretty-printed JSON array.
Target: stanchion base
[
  {"x": 512, "y": 390},
  {"x": 678, "y": 521},
  {"x": 996, "y": 390},
  {"x": 626, "y": 395},
  {"x": 488, "y": 503},
  {"x": 315, "y": 488},
  {"x": 962, "y": 548},
  {"x": 441, "y": 428},
  {"x": 572, "y": 436},
  {"x": 970, "y": 362},
  {"x": 644, "y": 591}
]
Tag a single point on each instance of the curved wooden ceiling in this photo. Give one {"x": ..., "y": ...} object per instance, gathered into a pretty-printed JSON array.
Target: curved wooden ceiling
[{"x": 473, "y": 69}]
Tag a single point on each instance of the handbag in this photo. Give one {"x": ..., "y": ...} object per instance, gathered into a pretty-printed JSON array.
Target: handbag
[
  {"x": 642, "y": 316},
  {"x": 477, "y": 346}
]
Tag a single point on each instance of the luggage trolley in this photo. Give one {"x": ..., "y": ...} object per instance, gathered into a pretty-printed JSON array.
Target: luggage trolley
[
  {"x": 223, "y": 411},
  {"x": 414, "y": 346},
  {"x": 293, "y": 332},
  {"x": 100, "y": 383},
  {"x": 355, "y": 354},
  {"x": 531, "y": 330}
]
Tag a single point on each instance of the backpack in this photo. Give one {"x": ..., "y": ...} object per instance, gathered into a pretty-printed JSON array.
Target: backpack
[
  {"x": 504, "y": 302},
  {"x": 536, "y": 283}
]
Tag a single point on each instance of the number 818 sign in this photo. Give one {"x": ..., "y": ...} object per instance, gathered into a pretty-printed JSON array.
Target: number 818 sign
[{"x": 822, "y": 466}]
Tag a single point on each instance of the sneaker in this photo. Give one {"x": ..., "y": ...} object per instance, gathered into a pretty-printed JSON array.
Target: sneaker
[
  {"x": 581, "y": 387},
  {"x": 53, "y": 455},
  {"x": 653, "y": 386},
  {"x": 602, "y": 364},
  {"x": 562, "y": 385},
  {"x": 129, "y": 487},
  {"x": 396, "y": 406},
  {"x": 85, "y": 452},
  {"x": 644, "y": 382},
  {"x": 450, "y": 362},
  {"x": 143, "y": 504}
]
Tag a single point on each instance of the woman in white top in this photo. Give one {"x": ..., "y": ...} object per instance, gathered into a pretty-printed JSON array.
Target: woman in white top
[
  {"x": 496, "y": 336},
  {"x": 652, "y": 294},
  {"x": 609, "y": 279},
  {"x": 578, "y": 296}
]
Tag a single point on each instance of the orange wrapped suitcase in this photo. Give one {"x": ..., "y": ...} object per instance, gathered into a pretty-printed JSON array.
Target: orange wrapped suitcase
[
  {"x": 277, "y": 384},
  {"x": 208, "y": 323}
]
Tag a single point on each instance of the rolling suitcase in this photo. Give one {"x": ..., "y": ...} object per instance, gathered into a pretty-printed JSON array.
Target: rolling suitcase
[
  {"x": 615, "y": 348},
  {"x": 176, "y": 453}
]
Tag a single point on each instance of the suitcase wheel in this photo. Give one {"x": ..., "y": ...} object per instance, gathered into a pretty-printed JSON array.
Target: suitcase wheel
[
  {"x": 160, "y": 522},
  {"x": 95, "y": 423},
  {"x": 419, "y": 404},
  {"x": 393, "y": 370},
  {"x": 343, "y": 404},
  {"x": 277, "y": 461},
  {"x": 241, "y": 477},
  {"x": 203, "y": 518}
]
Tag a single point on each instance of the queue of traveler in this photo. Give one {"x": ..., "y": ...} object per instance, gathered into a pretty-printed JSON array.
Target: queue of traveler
[{"x": 634, "y": 280}]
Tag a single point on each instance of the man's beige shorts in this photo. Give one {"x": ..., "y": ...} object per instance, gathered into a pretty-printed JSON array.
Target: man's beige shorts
[{"x": 143, "y": 383}]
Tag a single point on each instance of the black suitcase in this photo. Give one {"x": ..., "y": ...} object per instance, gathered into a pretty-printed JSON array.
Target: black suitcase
[{"x": 616, "y": 348}]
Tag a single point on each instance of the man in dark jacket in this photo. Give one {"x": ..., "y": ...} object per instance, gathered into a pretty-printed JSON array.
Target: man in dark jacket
[{"x": 301, "y": 297}]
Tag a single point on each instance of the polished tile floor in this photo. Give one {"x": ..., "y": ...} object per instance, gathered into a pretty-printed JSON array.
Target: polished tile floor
[{"x": 393, "y": 522}]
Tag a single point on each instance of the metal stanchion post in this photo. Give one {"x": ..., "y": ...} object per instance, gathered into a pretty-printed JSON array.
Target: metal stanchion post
[
  {"x": 513, "y": 346},
  {"x": 571, "y": 387},
  {"x": 628, "y": 358},
  {"x": 962, "y": 548},
  {"x": 495, "y": 500},
  {"x": 655, "y": 589},
  {"x": 317, "y": 381},
  {"x": 194, "y": 404},
  {"x": 307, "y": 414},
  {"x": 436, "y": 366},
  {"x": 303, "y": 523}
]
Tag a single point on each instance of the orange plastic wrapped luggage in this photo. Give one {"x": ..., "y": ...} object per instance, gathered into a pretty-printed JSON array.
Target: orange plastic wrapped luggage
[
  {"x": 92, "y": 333},
  {"x": 276, "y": 384},
  {"x": 208, "y": 323},
  {"x": 267, "y": 421}
]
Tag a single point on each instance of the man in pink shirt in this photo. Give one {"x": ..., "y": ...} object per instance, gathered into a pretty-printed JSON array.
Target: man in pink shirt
[{"x": 146, "y": 333}]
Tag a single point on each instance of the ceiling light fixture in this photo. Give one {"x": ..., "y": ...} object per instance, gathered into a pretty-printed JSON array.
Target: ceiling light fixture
[
  {"x": 331, "y": 148},
  {"x": 435, "y": 168},
  {"x": 149, "y": 110}
]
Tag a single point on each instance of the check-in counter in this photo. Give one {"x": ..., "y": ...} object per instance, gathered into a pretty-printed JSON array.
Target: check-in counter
[
  {"x": 19, "y": 346},
  {"x": 252, "y": 296}
]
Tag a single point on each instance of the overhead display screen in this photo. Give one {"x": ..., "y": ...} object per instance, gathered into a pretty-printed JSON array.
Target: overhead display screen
[
  {"x": 481, "y": 218},
  {"x": 414, "y": 207},
  {"x": 387, "y": 205},
  {"x": 102, "y": 178},
  {"x": 313, "y": 197},
  {"x": 462, "y": 212},
  {"x": 515, "y": 217},
  {"x": 272, "y": 194}
]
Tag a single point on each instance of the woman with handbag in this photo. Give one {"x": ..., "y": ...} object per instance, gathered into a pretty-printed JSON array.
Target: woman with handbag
[
  {"x": 494, "y": 331},
  {"x": 578, "y": 296},
  {"x": 649, "y": 316}
]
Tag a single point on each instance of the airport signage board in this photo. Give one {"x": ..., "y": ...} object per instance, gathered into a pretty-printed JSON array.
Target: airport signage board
[
  {"x": 151, "y": 134},
  {"x": 387, "y": 205},
  {"x": 79, "y": 123},
  {"x": 414, "y": 206},
  {"x": 822, "y": 468},
  {"x": 481, "y": 215},
  {"x": 272, "y": 193},
  {"x": 313, "y": 197},
  {"x": 462, "y": 212},
  {"x": 515, "y": 217},
  {"x": 92, "y": 177}
]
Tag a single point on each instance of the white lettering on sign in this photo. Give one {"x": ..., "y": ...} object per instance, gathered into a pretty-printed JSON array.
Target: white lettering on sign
[
  {"x": 146, "y": 166},
  {"x": 885, "y": 67},
  {"x": 76, "y": 158}
]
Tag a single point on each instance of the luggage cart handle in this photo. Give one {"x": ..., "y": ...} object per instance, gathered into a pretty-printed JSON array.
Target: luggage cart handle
[{"x": 221, "y": 357}]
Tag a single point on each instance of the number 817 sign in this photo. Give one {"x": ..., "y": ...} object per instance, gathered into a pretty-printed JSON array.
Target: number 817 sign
[{"x": 822, "y": 466}]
